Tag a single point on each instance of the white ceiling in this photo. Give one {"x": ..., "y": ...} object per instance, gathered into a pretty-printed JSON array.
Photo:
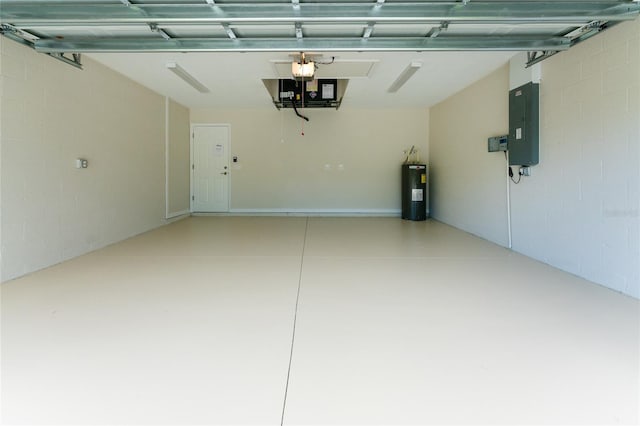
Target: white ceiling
[{"x": 235, "y": 79}]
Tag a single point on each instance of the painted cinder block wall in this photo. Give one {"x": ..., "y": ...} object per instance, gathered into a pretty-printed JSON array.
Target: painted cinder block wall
[
  {"x": 579, "y": 211},
  {"x": 468, "y": 185},
  {"x": 52, "y": 114}
]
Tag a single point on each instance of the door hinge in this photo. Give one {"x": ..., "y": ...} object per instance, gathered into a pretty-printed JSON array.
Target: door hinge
[
  {"x": 193, "y": 198},
  {"x": 193, "y": 167}
]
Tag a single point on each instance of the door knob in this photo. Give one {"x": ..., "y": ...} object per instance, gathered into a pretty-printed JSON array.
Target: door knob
[{"x": 223, "y": 173}]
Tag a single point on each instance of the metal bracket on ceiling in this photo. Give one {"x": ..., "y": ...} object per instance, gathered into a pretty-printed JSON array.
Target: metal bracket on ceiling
[
  {"x": 535, "y": 57},
  {"x": 586, "y": 31},
  {"x": 156, "y": 29},
  {"x": 75, "y": 60},
  {"x": 368, "y": 30},
  {"x": 229, "y": 31},
  {"x": 576, "y": 36},
  {"x": 28, "y": 39},
  {"x": 18, "y": 35},
  {"x": 435, "y": 32}
]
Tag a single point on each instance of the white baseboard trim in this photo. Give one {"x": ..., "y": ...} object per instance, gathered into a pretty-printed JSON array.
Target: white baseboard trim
[
  {"x": 175, "y": 215},
  {"x": 308, "y": 212}
]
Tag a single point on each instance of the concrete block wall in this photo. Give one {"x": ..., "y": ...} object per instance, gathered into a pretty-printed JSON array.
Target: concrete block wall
[
  {"x": 468, "y": 186},
  {"x": 52, "y": 114},
  {"x": 580, "y": 209}
]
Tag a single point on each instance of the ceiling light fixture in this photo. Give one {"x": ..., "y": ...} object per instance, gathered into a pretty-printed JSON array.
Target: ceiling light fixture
[
  {"x": 188, "y": 78},
  {"x": 303, "y": 70},
  {"x": 404, "y": 76}
]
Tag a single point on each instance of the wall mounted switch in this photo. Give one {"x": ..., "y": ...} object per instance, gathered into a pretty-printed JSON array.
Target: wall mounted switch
[{"x": 497, "y": 143}]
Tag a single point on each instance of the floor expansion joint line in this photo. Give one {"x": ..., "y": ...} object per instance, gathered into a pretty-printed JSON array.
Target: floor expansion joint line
[{"x": 295, "y": 317}]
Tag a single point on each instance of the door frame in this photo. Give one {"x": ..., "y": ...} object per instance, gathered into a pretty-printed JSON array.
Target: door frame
[{"x": 191, "y": 140}]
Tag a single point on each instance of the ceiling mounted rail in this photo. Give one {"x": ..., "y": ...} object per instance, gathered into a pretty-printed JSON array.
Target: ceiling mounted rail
[
  {"x": 38, "y": 13},
  {"x": 305, "y": 44},
  {"x": 66, "y": 27}
]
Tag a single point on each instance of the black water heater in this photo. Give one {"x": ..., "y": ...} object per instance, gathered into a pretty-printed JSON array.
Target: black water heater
[{"x": 414, "y": 191}]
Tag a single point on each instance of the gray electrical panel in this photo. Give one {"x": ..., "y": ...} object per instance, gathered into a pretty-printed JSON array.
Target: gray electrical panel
[{"x": 524, "y": 125}]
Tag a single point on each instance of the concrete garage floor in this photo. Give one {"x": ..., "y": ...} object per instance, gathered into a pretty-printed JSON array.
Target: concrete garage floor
[{"x": 263, "y": 320}]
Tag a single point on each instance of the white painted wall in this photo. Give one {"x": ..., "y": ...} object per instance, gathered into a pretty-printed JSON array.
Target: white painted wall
[
  {"x": 580, "y": 209},
  {"x": 468, "y": 184},
  {"x": 52, "y": 114},
  {"x": 348, "y": 161},
  {"x": 178, "y": 157},
  {"x": 520, "y": 74}
]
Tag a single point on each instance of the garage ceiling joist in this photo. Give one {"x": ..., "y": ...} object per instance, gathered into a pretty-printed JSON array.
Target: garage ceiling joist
[{"x": 78, "y": 26}]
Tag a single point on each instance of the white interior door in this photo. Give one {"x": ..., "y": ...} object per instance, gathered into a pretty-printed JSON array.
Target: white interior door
[{"x": 210, "y": 168}]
